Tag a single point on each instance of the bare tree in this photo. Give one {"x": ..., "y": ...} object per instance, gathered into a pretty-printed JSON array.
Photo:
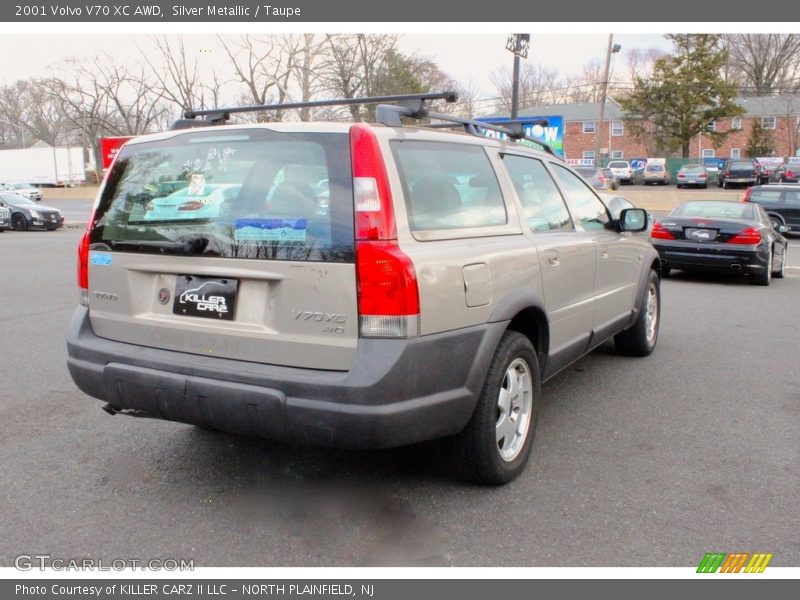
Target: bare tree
[
  {"x": 350, "y": 66},
  {"x": 35, "y": 114},
  {"x": 178, "y": 77},
  {"x": 639, "y": 62},
  {"x": 537, "y": 85},
  {"x": 763, "y": 63}
]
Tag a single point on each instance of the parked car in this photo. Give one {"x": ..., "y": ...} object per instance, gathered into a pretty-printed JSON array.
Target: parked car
[
  {"x": 720, "y": 235},
  {"x": 780, "y": 201},
  {"x": 5, "y": 219},
  {"x": 764, "y": 173},
  {"x": 199, "y": 202},
  {"x": 787, "y": 173},
  {"x": 599, "y": 179},
  {"x": 450, "y": 276},
  {"x": 655, "y": 173},
  {"x": 622, "y": 169},
  {"x": 26, "y": 190},
  {"x": 692, "y": 175},
  {"x": 738, "y": 172},
  {"x": 26, "y": 214}
]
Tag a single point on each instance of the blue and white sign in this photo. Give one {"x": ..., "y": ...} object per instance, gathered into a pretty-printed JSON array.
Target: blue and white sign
[{"x": 551, "y": 134}]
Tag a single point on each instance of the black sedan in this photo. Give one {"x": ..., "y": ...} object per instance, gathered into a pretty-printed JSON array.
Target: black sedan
[
  {"x": 721, "y": 235},
  {"x": 26, "y": 214}
]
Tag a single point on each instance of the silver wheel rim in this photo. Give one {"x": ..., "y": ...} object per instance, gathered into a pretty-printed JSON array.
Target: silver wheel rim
[
  {"x": 514, "y": 403},
  {"x": 651, "y": 314}
]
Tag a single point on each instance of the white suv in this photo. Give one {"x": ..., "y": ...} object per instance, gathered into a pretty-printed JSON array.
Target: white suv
[
  {"x": 622, "y": 170},
  {"x": 449, "y": 275}
]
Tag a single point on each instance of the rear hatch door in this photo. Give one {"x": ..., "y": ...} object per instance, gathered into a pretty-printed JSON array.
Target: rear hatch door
[{"x": 230, "y": 242}]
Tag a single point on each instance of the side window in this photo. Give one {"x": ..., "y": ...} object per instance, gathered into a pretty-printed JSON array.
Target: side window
[
  {"x": 544, "y": 207},
  {"x": 591, "y": 213},
  {"x": 448, "y": 186},
  {"x": 792, "y": 198}
]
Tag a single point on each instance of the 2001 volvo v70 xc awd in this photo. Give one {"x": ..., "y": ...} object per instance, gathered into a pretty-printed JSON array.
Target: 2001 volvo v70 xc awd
[{"x": 427, "y": 292}]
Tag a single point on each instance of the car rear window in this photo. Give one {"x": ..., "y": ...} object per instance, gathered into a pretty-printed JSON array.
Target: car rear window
[
  {"x": 711, "y": 209},
  {"x": 448, "y": 186},
  {"x": 654, "y": 168},
  {"x": 246, "y": 194},
  {"x": 693, "y": 169},
  {"x": 618, "y": 165},
  {"x": 743, "y": 164}
]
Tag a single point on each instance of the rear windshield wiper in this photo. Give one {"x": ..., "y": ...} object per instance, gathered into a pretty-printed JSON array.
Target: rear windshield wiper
[{"x": 194, "y": 245}]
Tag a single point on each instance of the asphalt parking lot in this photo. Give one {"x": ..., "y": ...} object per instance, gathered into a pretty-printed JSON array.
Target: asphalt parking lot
[{"x": 637, "y": 462}]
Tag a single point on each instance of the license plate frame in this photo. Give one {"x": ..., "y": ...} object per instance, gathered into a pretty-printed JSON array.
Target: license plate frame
[
  {"x": 205, "y": 297},
  {"x": 701, "y": 234}
]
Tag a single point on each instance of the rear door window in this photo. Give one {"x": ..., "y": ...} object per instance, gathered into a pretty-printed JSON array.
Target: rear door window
[
  {"x": 765, "y": 196},
  {"x": 246, "y": 194},
  {"x": 542, "y": 204},
  {"x": 448, "y": 186}
]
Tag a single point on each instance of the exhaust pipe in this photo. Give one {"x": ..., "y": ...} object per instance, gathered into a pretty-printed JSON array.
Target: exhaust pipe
[{"x": 736, "y": 267}]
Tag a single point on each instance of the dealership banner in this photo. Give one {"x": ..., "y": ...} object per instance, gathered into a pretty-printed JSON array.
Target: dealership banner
[{"x": 360, "y": 11}]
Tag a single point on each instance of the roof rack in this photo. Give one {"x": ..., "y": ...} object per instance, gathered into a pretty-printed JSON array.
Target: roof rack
[
  {"x": 515, "y": 130},
  {"x": 408, "y": 104},
  {"x": 412, "y": 106}
]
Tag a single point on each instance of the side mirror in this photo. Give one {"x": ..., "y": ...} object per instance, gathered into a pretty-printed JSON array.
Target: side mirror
[{"x": 633, "y": 220}]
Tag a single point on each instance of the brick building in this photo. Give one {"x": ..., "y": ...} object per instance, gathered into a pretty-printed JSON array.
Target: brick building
[{"x": 778, "y": 114}]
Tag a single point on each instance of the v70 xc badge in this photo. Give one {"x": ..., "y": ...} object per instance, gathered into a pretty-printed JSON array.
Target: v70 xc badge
[{"x": 319, "y": 317}]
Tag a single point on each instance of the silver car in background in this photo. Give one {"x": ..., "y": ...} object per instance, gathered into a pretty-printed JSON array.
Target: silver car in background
[{"x": 599, "y": 178}]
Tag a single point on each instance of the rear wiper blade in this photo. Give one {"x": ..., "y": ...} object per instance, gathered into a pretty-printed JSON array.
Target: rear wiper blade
[{"x": 194, "y": 245}]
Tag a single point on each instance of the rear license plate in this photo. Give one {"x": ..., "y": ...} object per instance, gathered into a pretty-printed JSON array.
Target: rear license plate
[
  {"x": 701, "y": 235},
  {"x": 209, "y": 297}
]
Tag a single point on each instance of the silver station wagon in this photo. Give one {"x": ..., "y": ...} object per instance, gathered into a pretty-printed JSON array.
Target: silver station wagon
[{"x": 425, "y": 291}]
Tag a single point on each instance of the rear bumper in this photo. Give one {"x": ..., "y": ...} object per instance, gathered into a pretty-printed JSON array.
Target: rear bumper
[
  {"x": 726, "y": 257},
  {"x": 397, "y": 392}
]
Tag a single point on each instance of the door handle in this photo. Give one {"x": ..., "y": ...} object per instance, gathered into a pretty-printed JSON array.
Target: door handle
[
  {"x": 603, "y": 251},
  {"x": 552, "y": 257}
]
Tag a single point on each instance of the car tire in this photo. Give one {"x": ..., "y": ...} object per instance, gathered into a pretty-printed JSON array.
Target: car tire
[
  {"x": 509, "y": 405},
  {"x": 665, "y": 272},
  {"x": 765, "y": 276},
  {"x": 724, "y": 185},
  {"x": 781, "y": 272},
  {"x": 679, "y": 186},
  {"x": 19, "y": 223},
  {"x": 640, "y": 339}
]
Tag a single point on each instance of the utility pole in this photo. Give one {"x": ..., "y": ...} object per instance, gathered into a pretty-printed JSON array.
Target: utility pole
[
  {"x": 612, "y": 49},
  {"x": 518, "y": 44}
]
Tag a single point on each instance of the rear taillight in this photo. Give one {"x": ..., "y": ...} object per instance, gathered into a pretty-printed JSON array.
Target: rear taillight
[
  {"x": 727, "y": 173},
  {"x": 659, "y": 232},
  {"x": 702, "y": 175},
  {"x": 681, "y": 176},
  {"x": 388, "y": 295},
  {"x": 373, "y": 199},
  {"x": 191, "y": 205},
  {"x": 789, "y": 173},
  {"x": 746, "y": 197},
  {"x": 83, "y": 263},
  {"x": 749, "y": 236}
]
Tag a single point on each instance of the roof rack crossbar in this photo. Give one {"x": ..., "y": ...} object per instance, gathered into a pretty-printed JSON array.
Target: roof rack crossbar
[
  {"x": 409, "y": 100},
  {"x": 513, "y": 129}
]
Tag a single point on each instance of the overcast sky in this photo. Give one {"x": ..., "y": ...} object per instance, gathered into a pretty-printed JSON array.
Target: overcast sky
[{"x": 466, "y": 57}]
